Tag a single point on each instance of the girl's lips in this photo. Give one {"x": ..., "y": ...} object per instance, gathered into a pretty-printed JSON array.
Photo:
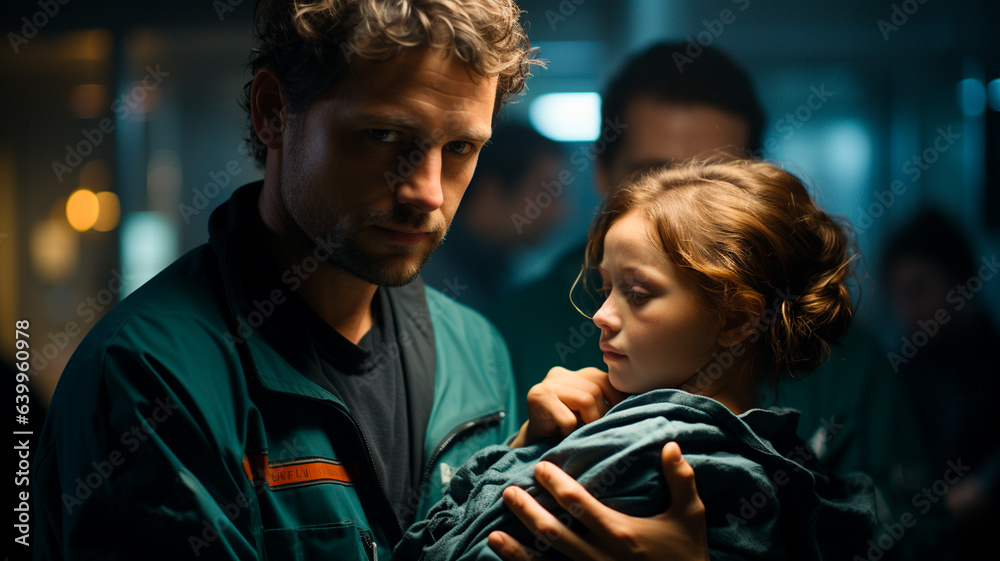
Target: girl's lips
[
  {"x": 611, "y": 353},
  {"x": 608, "y": 355}
]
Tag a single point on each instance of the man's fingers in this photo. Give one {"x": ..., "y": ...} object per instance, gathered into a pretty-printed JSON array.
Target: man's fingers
[
  {"x": 549, "y": 531},
  {"x": 573, "y": 497},
  {"x": 510, "y": 549},
  {"x": 680, "y": 480}
]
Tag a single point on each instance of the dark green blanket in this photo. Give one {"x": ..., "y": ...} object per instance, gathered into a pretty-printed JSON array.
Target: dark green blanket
[{"x": 765, "y": 495}]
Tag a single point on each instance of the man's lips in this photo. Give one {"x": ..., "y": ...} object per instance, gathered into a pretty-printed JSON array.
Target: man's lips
[{"x": 406, "y": 236}]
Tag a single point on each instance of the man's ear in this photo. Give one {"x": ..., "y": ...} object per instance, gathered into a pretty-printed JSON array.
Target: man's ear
[
  {"x": 738, "y": 326},
  {"x": 267, "y": 107}
]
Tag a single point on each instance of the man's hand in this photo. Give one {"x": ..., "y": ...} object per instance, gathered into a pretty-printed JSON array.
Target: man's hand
[
  {"x": 677, "y": 534},
  {"x": 565, "y": 399}
]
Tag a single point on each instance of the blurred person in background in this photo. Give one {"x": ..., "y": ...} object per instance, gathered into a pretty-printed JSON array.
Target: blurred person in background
[
  {"x": 946, "y": 361},
  {"x": 852, "y": 411},
  {"x": 669, "y": 116},
  {"x": 472, "y": 264}
]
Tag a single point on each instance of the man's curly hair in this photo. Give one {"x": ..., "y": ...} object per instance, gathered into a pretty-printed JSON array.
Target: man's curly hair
[{"x": 310, "y": 44}]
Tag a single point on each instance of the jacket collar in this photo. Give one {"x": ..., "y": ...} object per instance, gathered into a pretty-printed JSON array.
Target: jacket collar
[{"x": 257, "y": 296}]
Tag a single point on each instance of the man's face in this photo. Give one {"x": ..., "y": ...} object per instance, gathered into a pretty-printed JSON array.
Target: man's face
[
  {"x": 377, "y": 166},
  {"x": 919, "y": 289},
  {"x": 663, "y": 132}
]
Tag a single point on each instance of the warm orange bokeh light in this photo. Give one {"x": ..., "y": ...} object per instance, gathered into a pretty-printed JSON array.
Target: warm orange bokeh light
[
  {"x": 82, "y": 209},
  {"x": 88, "y": 101},
  {"x": 110, "y": 211},
  {"x": 55, "y": 250}
]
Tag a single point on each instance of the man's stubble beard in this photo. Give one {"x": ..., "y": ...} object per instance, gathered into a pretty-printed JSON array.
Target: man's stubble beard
[{"x": 341, "y": 236}]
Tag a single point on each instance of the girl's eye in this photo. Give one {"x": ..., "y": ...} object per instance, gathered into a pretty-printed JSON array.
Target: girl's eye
[
  {"x": 459, "y": 147},
  {"x": 385, "y": 135},
  {"x": 636, "y": 297}
]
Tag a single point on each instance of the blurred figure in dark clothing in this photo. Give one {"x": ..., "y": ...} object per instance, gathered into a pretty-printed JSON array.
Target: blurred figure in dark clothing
[
  {"x": 947, "y": 361},
  {"x": 654, "y": 113},
  {"x": 509, "y": 206},
  {"x": 853, "y": 413}
]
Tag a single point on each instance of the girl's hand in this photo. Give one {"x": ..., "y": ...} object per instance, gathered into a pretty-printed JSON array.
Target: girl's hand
[{"x": 563, "y": 401}]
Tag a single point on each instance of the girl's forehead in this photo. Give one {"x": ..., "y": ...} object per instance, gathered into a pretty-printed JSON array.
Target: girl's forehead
[
  {"x": 632, "y": 230},
  {"x": 632, "y": 240}
]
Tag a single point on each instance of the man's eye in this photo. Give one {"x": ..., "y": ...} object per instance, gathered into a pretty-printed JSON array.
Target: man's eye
[
  {"x": 459, "y": 147},
  {"x": 385, "y": 135}
]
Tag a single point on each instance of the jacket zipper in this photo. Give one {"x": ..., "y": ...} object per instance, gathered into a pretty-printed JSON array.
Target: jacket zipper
[
  {"x": 438, "y": 450},
  {"x": 451, "y": 436},
  {"x": 374, "y": 470},
  {"x": 371, "y": 548},
  {"x": 371, "y": 463},
  {"x": 250, "y": 366}
]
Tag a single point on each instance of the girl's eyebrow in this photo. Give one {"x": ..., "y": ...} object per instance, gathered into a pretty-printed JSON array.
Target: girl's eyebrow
[{"x": 628, "y": 269}]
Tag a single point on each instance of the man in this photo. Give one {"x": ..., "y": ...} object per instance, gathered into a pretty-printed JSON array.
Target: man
[{"x": 289, "y": 390}]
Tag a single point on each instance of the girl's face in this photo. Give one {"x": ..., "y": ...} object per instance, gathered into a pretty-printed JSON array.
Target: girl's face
[{"x": 656, "y": 330}]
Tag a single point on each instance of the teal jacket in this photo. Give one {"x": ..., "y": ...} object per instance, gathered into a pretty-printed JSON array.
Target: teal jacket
[
  {"x": 179, "y": 431},
  {"x": 765, "y": 496}
]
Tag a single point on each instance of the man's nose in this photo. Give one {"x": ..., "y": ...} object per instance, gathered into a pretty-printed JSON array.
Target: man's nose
[{"x": 422, "y": 189}]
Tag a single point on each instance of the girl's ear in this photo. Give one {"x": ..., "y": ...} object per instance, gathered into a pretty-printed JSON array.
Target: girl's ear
[{"x": 738, "y": 326}]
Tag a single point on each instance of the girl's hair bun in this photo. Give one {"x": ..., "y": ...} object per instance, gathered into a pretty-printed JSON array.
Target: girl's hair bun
[{"x": 756, "y": 242}]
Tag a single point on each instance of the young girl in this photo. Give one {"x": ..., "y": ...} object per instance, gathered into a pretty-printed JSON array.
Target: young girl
[{"x": 718, "y": 276}]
